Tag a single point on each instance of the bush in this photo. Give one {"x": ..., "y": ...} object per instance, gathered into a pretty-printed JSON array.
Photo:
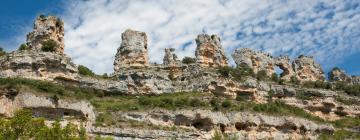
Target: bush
[
  {"x": 188, "y": 60},
  {"x": 23, "y": 47},
  {"x": 195, "y": 102},
  {"x": 85, "y": 71},
  {"x": 2, "y": 52},
  {"x": 261, "y": 75},
  {"x": 226, "y": 104},
  {"x": 275, "y": 77},
  {"x": 49, "y": 46},
  {"x": 23, "y": 126},
  {"x": 225, "y": 71},
  {"x": 317, "y": 84},
  {"x": 294, "y": 80}
]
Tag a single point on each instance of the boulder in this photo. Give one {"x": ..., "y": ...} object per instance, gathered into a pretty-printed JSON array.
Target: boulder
[
  {"x": 47, "y": 28},
  {"x": 132, "y": 51},
  {"x": 209, "y": 52}
]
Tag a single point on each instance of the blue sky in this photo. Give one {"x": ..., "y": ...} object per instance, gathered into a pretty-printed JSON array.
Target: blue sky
[{"x": 327, "y": 29}]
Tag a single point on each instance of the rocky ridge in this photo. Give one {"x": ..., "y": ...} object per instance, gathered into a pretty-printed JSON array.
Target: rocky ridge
[{"x": 134, "y": 75}]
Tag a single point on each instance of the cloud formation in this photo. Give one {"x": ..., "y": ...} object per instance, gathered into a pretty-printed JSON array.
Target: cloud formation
[{"x": 327, "y": 29}]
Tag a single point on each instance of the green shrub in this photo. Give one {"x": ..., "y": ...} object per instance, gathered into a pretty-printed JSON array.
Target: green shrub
[
  {"x": 188, "y": 60},
  {"x": 261, "y": 75},
  {"x": 85, "y": 71},
  {"x": 225, "y": 71},
  {"x": 23, "y": 47},
  {"x": 23, "y": 126},
  {"x": 226, "y": 104},
  {"x": 294, "y": 80},
  {"x": 49, "y": 46},
  {"x": 215, "y": 103},
  {"x": 2, "y": 52},
  {"x": 340, "y": 135},
  {"x": 195, "y": 102},
  {"x": 42, "y": 16},
  {"x": 274, "y": 77},
  {"x": 317, "y": 84}
]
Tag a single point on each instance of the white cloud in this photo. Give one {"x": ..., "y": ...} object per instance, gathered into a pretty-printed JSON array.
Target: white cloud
[{"x": 93, "y": 28}]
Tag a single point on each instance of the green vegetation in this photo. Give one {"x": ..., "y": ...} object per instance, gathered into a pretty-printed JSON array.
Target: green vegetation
[
  {"x": 49, "y": 46},
  {"x": 188, "y": 60},
  {"x": 294, "y": 80},
  {"x": 307, "y": 95},
  {"x": 23, "y": 126},
  {"x": 226, "y": 104},
  {"x": 50, "y": 88},
  {"x": 348, "y": 122},
  {"x": 223, "y": 136},
  {"x": 317, "y": 84},
  {"x": 261, "y": 75},
  {"x": 2, "y": 52},
  {"x": 340, "y": 135},
  {"x": 353, "y": 90},
  {"x": 349, "y": 101},
  {"x": 238, "y": 73},
  {"x": 274, "y": 77},
  {"x": 23, "y": 47},
  {"x": 85, "y": 71}
]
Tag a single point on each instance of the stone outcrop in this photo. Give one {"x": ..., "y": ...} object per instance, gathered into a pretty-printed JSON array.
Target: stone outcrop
[
  {"x": 170, "y": 58},
  {"x": 306, "y": 69},
  {"x": 283, "y": 62},
  {"x": 209, "y": 51},
  {"x": 244, "y": 125},
  {"x": 133, "y": 50},
  {"x": 231, "y": 89},
  {"x": 37, "y": 65},
  {"x": 47, "y": 28},
  {"x": 338, "y": 75},
  {"x": 12, "y": 100},
  {"x": 258, "y": 61}
]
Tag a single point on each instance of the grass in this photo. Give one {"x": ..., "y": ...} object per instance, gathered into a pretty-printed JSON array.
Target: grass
[
  {"x": 340, "y": 135},
  {"x": 349, "y": 101}
]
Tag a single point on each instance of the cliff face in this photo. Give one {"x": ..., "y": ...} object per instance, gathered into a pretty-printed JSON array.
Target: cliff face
[{"x": 197, "y": 117}]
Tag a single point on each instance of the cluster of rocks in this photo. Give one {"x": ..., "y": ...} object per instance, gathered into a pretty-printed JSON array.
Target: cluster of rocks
[
  {"x": 303, "y": 68},
  {"x": 243, "y": 125},
  {"x": 338, "y": 75}
]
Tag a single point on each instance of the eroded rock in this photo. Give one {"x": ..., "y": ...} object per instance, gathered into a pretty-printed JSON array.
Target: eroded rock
[
  {"x": 307, "y": 69},
  {"x": 132, "y": 51},
  {"x": 47, "y": 28},
  {"x": 209, "y": 51},
  {"x": 170, "y": 58},
  {"x": 258, "y": 61}
]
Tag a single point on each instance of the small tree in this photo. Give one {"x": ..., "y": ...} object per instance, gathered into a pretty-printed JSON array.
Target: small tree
[
  {"x": 49, "y": 46},
  {"x": 85, "y": 71},
  {"x": 294, "y": 80},
  {"x": 23, "y": 47},
  {"x": 274, "y": 77},
  {"x": 188, "y": 60},
  {"x": 2, "y": 52},
  {"x": 261, "y": 75}
]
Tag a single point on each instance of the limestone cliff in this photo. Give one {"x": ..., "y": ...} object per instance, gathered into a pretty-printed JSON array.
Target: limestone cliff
[{"x": 209, "y": 51}]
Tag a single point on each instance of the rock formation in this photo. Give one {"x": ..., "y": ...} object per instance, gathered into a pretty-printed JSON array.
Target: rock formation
[
  {"x": 37, "y": 65},
  {"x": 47, "y": 28},
  {"x": 170, "y": 58},
  {"x": 258, "y": 61},
  {"x": 339, "y": 75},
  {"x": 132, "y": 51},
  {"x": 307, "y": 70},
  {"x": 283, "y": 62},
  {"x": 41, "y": 106},
  {"x": 209, "y": 51}
]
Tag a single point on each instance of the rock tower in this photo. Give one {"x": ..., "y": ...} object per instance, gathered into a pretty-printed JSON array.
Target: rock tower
[
  {"x": 47, "y": 28},
  {"x": 209, "y": 51},
  {"x": 132, "y": 51}
]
